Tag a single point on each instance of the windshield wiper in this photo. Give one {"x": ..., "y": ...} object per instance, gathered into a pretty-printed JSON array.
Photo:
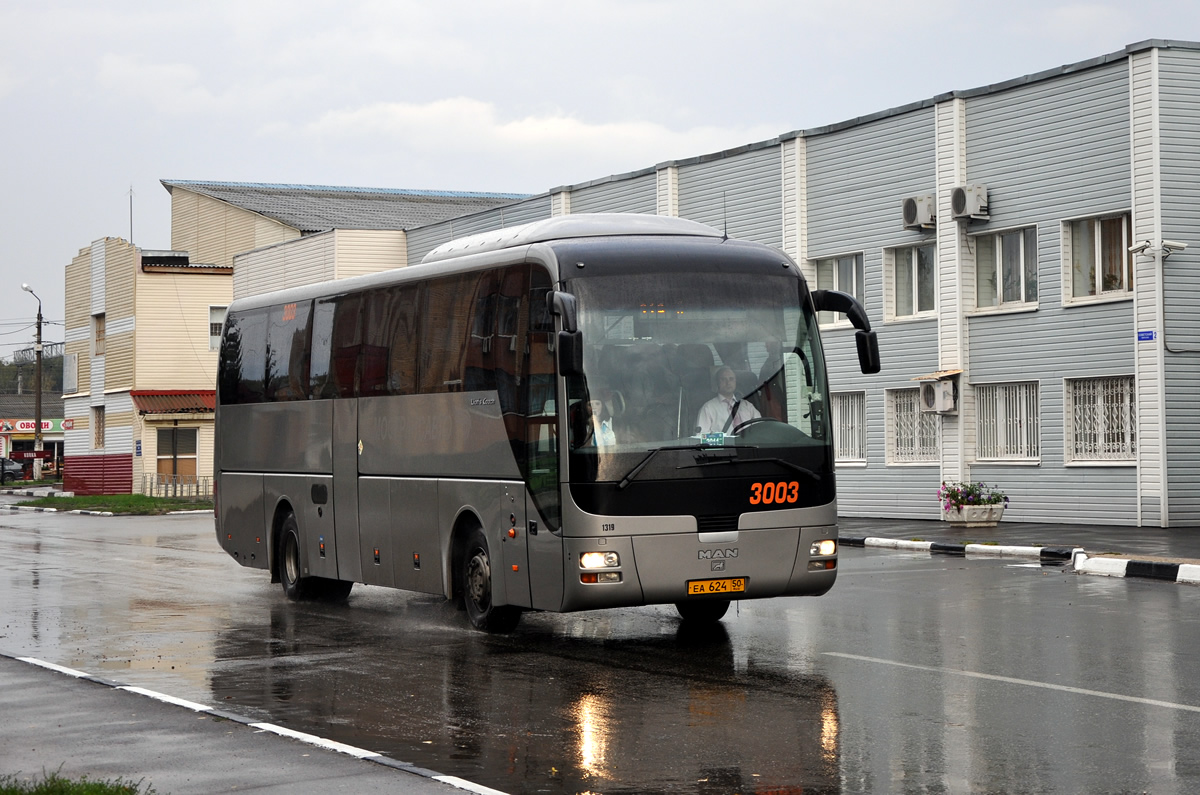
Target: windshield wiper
[{"x": 633, "y": 473}]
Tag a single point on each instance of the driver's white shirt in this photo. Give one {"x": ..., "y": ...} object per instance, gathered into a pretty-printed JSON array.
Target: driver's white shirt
[{"x": 715, "y": 412}]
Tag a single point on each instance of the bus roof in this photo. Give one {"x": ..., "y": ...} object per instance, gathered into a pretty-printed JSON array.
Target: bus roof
[{"x": 570, "y": 226}]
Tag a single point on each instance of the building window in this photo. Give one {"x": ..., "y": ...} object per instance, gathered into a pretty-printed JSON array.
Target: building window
[
  {"x": 914, "y": 281},
  {"x": 1008, "y": 422},
  {"x": 98, "y": 427},
  {"x": 1097, "y": 254},
  {"x": 1102, "y": 419},
  {"x": 913, "y": 434},
  {"x": 176, "y": 455},
  {"x": 849, "y": 427},
  {"x": 98, "y": 334},
  {"x": 216, "y": 322},
  {"x": 840, "y": 273},
  {"x": 1006, "y": 269}
]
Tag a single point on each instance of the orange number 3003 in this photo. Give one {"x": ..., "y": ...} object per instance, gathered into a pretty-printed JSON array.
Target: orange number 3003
[{"x": 774, "y": 493}]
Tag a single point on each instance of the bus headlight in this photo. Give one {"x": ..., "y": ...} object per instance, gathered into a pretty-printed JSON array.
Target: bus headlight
[
  {"x": 823, "y": 548},
  {"x": 599, "y": 560}
]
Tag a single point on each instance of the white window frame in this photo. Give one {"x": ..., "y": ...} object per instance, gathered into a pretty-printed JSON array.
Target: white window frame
[
  {"x": 1108, "y": 404},
  {"x": 996, "y": 237},
  {"x": 1007, "y": 425},
  {"x": 1122, "y": 292},
  {"x": 891, "y": 261},
  {"x": 913, "y": 436},
  {"x": 828, "y": 270},
  {"x": 214, "y": 340},
  {"x": 849, "y": 427}
]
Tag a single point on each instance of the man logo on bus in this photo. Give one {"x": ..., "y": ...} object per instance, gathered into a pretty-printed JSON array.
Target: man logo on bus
[{"x": 713, "y": 554}]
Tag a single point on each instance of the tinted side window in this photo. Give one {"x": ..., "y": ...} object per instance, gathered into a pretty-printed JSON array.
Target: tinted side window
[
  {"x": 345, "y": 345},
  {"x": 481, "y": 347},
  {"x": 287, "y": 351},
  {"x": 445, "y": 326},
  {"x": 402, "y": 346},
  {"x": 242, "y": 370},
  {"x": 321, "y": 384}
]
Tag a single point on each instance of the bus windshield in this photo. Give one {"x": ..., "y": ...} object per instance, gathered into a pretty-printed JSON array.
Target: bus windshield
[{"x": 695, "y": 360}]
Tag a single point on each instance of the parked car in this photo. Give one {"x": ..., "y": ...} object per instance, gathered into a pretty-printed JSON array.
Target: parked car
[{"x": 10, "y": 470}]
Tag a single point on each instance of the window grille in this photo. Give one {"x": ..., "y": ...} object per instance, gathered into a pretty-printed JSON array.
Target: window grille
[
  {"x": 849, "y": 426},
  {"x": 914, "y": 432},
  {"x": 1008, "y": 421},
  {"x": 1103, "y": 419}
]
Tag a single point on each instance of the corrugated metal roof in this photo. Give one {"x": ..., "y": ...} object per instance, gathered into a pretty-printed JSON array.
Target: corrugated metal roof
[
  {"x": 319, "y": 208},
  {"x": 174, "y": 401},
  {"x": 22, "y": 406}
]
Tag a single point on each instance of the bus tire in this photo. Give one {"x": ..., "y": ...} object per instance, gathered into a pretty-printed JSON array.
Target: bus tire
[
  {"x": 708, "y": 611},
  {"x": 477, "y": 588},
  {"x": 295, "y": 585}
]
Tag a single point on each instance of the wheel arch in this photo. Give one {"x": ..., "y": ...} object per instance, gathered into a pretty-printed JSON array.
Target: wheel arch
[
  {"x": 465, "y": 521},
  {"x": 283, "y": 506}
]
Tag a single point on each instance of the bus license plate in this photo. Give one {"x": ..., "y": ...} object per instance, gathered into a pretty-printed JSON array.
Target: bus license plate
[{"x": 705, "y": 587}]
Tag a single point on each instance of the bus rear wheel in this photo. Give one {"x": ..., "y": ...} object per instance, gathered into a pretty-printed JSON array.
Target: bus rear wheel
[
  {"x": 708, "y": 611},
  {"x": 295, "y": 585},
  {"x": 477, "y": 589}
]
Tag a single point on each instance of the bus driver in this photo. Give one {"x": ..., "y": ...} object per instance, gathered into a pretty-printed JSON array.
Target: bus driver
[{"x": 725, "y": 411}]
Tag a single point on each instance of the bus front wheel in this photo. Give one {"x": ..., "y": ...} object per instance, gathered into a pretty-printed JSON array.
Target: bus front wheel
[
  {"x": 477, "y": 589},
  {"x": 295, "y": 585},
  {"x": 708, "y": 611}
]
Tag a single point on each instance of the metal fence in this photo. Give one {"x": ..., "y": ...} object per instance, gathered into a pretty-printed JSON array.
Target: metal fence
[{"x": 183, "y": 486}]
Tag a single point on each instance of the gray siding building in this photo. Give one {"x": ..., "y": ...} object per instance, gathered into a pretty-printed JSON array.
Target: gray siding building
[{"x": 1015, "y": 246}]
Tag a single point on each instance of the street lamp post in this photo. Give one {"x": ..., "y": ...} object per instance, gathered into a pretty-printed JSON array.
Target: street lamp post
[{"x": 37, "y": 388}]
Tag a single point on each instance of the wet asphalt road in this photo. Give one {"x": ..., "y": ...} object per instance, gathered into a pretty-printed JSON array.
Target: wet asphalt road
[{"x": 915, "y": 673}]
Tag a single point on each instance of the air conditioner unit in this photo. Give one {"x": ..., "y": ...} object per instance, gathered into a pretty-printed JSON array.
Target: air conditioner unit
[
  {"x": 938, "y": 397},
  {"x": 920, "y": 212},
  {"x": 969, "y": 201}
]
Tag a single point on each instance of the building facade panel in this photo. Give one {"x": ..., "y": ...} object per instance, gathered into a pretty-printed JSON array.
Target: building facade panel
[
  {"x": 858, "y": 179},
  {"x": 1179, "y": 101},
  {"x": 212, "y": 232},
  {"x": 369, "y": 251},
  {"x": 305, "y": 260},
  {"x": 739, "y": 193},
  {"x": 172, "y": 337},
  {"x": 1044, "y": 159},
  {"x": 638, "y": 194}
]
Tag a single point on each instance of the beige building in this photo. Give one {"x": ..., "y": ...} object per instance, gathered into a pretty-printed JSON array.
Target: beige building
[
  {"x": 143, "y": 327},
  {"x": 139, "y": 368}
]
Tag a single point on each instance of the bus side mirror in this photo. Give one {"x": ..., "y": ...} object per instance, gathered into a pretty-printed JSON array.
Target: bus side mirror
[
  {"x": 563, "y": 305},
  {"x": 864, "y": 338},
  {"x": 868, "y": 351},
  {"x": 570, "y": 353}
]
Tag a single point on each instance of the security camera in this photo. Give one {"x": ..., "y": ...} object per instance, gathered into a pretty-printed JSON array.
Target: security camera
[
  {"x": 1140, "y": 247},
  {"x": 1173, "y": 245}
]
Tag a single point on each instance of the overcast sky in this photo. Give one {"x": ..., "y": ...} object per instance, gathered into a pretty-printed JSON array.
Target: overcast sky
[{"x": 521, "y": 96}]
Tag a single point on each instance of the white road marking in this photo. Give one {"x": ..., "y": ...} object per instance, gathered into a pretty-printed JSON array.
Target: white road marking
[
  {"x": 1013, "y": 681},
  {"x": 462, "y": 783},
  {"x": 320, "y": 742},
  {"x": 53, "y": 667},
  {"x": 179, "y": 702}
]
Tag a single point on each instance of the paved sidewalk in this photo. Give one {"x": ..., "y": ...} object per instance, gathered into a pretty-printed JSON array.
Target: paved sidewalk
[{"x": 56, "y": 721}]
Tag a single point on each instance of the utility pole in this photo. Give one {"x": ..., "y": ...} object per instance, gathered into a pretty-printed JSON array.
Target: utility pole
[{"x": 37, "y": 388}]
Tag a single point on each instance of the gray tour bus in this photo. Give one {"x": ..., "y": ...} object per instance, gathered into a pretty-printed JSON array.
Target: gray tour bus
[{"x": 584, "y": 412}]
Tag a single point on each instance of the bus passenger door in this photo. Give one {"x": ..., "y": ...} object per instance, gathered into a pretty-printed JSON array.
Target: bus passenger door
[
  {"x": 345, "y": 489},
  {"x": 515, "y": 545}
]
